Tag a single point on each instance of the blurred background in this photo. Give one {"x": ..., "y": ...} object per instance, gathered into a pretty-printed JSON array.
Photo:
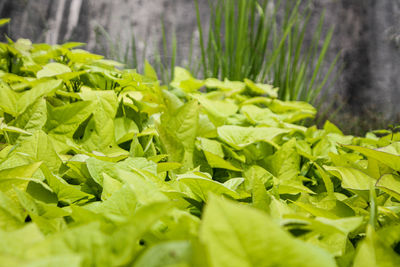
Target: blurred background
[{"x": 347, "y": 49}]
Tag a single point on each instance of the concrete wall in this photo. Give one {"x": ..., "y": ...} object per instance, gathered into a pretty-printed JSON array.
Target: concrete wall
[
  {"x": 57, "y": 21},
  {"x": 367, "y": 34}
]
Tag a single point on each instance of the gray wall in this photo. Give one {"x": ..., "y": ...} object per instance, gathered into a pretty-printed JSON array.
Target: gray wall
[{"x": 367, "y": 34}]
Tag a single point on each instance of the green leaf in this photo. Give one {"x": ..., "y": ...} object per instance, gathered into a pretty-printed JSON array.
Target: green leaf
[
  {"x": 215, "y": 155},
  {"x": 239, "y": 137},
  {"x": 24, "y": 171},
  {"x": 390, "y": 184},
  {"x": 327, "y": 180},
  {"x": 144, "y": 187},
  {"x": 12, "y": 216},
  {"x": 125, "y": 129},
  {"x": 285, "y": 160},
  {"x": 202, "y": 187},
  {"x": 39, "y": 147},
  {"x": 33, "y": 118},
  {"x": 352, "y": 178},
  {"x": 120, "y": 206},
  {"x": 261, "y": 89},
  {"x": 98, "y": 167},
  {"x": 16, "y": 103},
  {"x": 99, "y": 132},
  {"x": 331, "y": 128},
  {"x": 65, "y": 193},
  {"x": 391, "y": 160},
  {"x": 185, "y": 124},
  {"x": 178, "y": 133},
  {"x": 279, "y": 106},
  {"x": 33, "y": 207},
  {"x": 256, "y": 174},
  {"x": 167, "y": 166},
  {"x": 326, "y": 207},
  {"x": 149, "y": 71},
  {"x": 64, "y": 120},
  {"x": 226, "y": 85},
  {"x": 52, "y": 69},
  {"x": 16, "y": 243},
  {"x": 372, "y": 252},
  {"x": 236, "y": 235},
  {"x": 87, "y": 241},
  {"x": 331, "y": 234},
  {"x": 4, "y": 21},
  {"x": 59, "y": 260},
  {"x": 82, "y": 56},
  {"x": 11, "y": 129},
  {"x": 172, "y": 253},
  {"x": 110, "y": 186},
  {"x": 260, "y": 197},
  {"x": 217, "y": 110},
  {"x": 258, "y": 115},
  {"x": 184, "y": 80},
  {"x": 125, "y": 241}
]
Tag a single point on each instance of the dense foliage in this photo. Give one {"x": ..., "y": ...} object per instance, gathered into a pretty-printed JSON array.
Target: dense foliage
[{"x": 102, "y": 166}]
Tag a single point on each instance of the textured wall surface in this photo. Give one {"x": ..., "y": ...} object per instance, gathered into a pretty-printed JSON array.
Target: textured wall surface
[
  {"x": 56, "y": 21},
  {"x": 367, "y": 34}
]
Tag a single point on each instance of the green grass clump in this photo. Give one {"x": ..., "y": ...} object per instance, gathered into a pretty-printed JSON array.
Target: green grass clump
[{"x": 265, "y": 41}]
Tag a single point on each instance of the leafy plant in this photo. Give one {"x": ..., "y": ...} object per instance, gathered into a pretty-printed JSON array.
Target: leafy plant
[
  {"x": 102, "y": 166},
  {"x": 4, "y": 21}
]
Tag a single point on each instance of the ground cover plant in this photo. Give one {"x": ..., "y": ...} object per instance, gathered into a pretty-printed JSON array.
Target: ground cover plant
[{"x": 102, "y": 166}]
